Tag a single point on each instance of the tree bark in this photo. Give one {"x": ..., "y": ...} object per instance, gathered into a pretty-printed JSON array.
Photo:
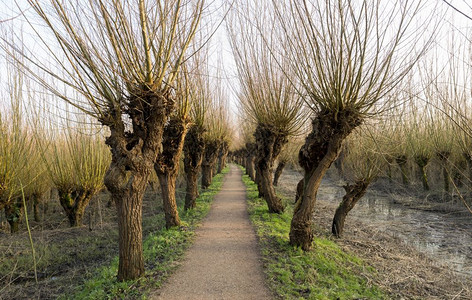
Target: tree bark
[
  {"x": 444, "y": 157},
  {"x": 191, "y": 192},
  {"x": 74, "y": 204},
  {"x": 278, "y": 171},
  {"x": 36, "y": 197},
  {"x": 269, "y": 145},
  {"x": 321, "y": 148},
  {"x": 134, "y": 154},
  {"x": 13, "y": 214},
  {"x": 468, "y": 159},
  {"x": 129, "y": 209},
  {"x": 250, "y": 158},
  {"x": 209, "y": 160},
  {"x": 167, "y": 182},
  {"x": 167, "y": 167},
  {"x": 353, "y": 194},
  {"x": 401, "y": 161},
  {"x": 222, "y": 156},
  {"x": 422, "y": 161},
  {"x": 194, "y": 147}
]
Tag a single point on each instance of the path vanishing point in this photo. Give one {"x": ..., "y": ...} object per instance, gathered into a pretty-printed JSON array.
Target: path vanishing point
[{"x": 224, "y": 260}]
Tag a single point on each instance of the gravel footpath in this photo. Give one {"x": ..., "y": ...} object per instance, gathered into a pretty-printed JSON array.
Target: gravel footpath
[{"x": 224, "y": 261}]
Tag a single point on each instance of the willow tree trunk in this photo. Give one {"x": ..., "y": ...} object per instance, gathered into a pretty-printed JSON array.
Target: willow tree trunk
[
  {"x": 194, "y": 147},
  {"x": 250, "y": 158},
  {"x": 129, "y": 204},
  {"x": 13, "y": 214},
  {"x": 422, "y": 161},
  {"x": 36, "y": 213},
  {"x": 401, "y": 161},
  {"x": 134, "y": 154},
  {"x": 444, "y": 157},
  {"x": 353, "y": 194},
  {"x": 222, "y": 156},
  {"x": 209, "y": 160},
  {"x": 269, "y": 145},
  {"x": 167, "y": 167},
  {"x": 278, "y": 171},
  {"x": 320, "y": 150},
  {"x": 74, "y": 204},
  {"x": 167, "y": 182},
  {"x": 459, "y": 171}
]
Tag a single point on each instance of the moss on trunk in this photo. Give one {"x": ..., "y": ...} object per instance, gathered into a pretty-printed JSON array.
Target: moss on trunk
[
  {"x": 13, "y": 214},
  {"x": 74, "y": 202}
]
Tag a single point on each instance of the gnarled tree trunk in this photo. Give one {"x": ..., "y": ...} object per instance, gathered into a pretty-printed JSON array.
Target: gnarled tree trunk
[
  {"x": 444, "y": 157},
  {"x": 222, "y": 156},
  {"x": 269, "y": 145},
  {"x": 194, "y": 147},
  {"x": 209, "y": 160},
  {"x": 422, "y": 161},
  {"x": 401, "y": 161},
  {"x": 278, "y": 171},
  {"x": 36, "y": 201},
  {"x": 13, "y": 214},
  {"x": 250, "y": 161},
  {"x": 320, "y": 150},
  {"x": 133, "y": 157},
  {"x": 74, "y": 203},
  {"x": 353, "y": 194},
  {"x": 167, "y": 167}
]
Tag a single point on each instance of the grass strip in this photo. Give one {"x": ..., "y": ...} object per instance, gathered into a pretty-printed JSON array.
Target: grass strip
[
  {"x": 162, "y": 250},
  {"x": 326, "y": 272}
]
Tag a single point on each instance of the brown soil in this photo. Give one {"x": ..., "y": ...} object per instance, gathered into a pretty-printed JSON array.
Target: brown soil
[
  {"x": 403, "y": 271},
  {"x": 224, "y": 261}
]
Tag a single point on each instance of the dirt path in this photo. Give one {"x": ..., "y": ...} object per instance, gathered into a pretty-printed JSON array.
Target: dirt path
[{"x": 224, "y": 261}]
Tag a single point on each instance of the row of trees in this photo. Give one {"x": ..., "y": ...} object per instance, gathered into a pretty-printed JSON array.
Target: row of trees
[
  {"x": 337, "y": 62},
  {"x": 37, "y": 156},
  {"x": 132, "y": 67}
]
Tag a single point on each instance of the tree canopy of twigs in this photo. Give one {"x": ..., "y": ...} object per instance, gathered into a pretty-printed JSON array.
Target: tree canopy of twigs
[{"x": 122, "y": 58}]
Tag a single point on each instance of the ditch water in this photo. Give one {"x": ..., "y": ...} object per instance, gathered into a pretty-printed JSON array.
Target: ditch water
[{"x": 446, "y": 237}]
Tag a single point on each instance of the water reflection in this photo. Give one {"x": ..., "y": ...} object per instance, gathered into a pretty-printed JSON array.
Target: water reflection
[{"x": 446, "y": 237}]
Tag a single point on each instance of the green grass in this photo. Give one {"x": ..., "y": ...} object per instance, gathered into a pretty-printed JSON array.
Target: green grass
[
  {"x": 326, "y": 272},
  {"x": 162, "y": 249}
]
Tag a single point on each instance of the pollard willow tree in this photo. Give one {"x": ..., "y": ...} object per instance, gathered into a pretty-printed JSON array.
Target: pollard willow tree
[
  {"x": 346, "y": 56},
  {"x": 76, "y": 162},
  {"x": 122, "y": 57},
  {"x": 168, "y": 162},
  {"x": 194, "y": 144},
  {"x": 266, "y": 97},
  {"x": 363, "y": 162},
  {"x": 217, "y": 133}
]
